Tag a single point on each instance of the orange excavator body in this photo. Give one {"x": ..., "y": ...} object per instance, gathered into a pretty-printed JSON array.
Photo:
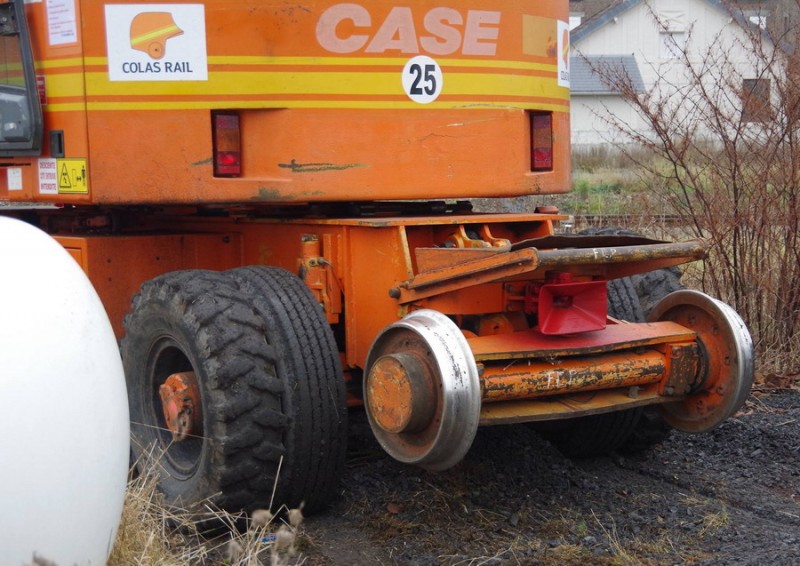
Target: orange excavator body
[{"x": 343, "y": 141}]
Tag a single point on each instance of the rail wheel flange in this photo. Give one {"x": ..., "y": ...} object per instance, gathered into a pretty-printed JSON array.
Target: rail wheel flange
[
  {"x": 422, "y": 392},
  {"x": 729, "y": 364}
]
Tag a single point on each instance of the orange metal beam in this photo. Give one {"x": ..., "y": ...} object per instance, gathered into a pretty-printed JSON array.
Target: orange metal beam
[
  {"x": 525, "y": 379},
  {"x": 607, "y": 262},
  {"x": 467, "y": 274},
  {"x": 569, "y": 406},
  {"x": 533, "y": 344}
]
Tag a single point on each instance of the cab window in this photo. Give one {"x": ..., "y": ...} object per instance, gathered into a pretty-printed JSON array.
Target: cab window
[{"x": 20, "y": 110}]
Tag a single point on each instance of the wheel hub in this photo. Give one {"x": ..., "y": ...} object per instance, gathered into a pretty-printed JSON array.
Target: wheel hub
[
  {"x": 180, "y": 401},
  {"x": 400, "y": 388}
]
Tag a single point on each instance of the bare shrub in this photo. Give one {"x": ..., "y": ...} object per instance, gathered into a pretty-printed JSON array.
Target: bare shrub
[{"x": 722, "y": 146}]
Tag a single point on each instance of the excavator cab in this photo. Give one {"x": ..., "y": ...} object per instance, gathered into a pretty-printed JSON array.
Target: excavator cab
[{"x": 20, "y": 108}]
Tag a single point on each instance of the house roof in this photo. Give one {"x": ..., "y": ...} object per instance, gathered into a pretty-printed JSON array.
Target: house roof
[
  {"x": 620, "y": 7},
  {"x": 585, "y": 80}
]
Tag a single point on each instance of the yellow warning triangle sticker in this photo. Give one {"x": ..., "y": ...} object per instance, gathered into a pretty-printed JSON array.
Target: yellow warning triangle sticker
[{"x": 64, "y": 182}]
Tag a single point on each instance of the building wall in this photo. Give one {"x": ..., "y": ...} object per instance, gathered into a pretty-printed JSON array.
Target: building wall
[
  {"x": 709, "y": 31},
  {"x": 588, "y": 121}
]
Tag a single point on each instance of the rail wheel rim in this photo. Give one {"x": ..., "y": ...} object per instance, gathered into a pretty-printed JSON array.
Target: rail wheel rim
[
  {"x": 728, "y": 349},
  {"x": 424, "y": 362}
]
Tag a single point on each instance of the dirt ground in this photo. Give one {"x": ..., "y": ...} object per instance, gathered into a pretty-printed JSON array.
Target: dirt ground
[{"x": 726, "y": 497}]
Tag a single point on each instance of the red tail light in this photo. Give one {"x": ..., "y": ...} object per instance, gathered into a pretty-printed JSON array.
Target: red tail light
[
  {"x": 541, "y": 141},
  {"x": 227, "y": 144}
]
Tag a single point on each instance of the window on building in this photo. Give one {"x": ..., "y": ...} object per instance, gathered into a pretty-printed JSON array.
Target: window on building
[
  {"x": 756, "y": 105},
  {"x": 757, "y": 16},
  {"x": 672, "y": 44}
]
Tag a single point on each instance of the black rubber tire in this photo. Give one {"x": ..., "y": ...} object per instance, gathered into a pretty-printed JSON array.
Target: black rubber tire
[
  {"x": 313, "y": 394},
  {"x": 205, "y": 322},
  {"x": 623, "y": 301},
  {"x": 632, "y": 430},
  {"x": 647, "y": 288},
  {"x": 651, "y": 429},
  {"x": 200, "y": 321},
  {"x": 595, "y": 435},
  {"x": 650, "y": 287},
  {"x": 647, "y": 428},
  {"x": 653, "y": 286}
]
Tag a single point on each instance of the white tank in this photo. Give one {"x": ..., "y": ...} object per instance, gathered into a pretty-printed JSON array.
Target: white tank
[{"x": 64, "y": 432}]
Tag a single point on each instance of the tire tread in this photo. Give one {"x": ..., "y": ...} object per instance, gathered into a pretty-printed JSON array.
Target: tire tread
[{"x": 244, "y": 387}]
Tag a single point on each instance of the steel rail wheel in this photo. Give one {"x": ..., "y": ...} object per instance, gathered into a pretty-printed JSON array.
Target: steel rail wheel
[
  {"x": 310, "y": 393},
  {"x": 729, "y": 361},
  {"x": 421, "y": 391}
]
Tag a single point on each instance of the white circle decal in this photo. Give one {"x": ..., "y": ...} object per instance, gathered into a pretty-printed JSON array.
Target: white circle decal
[{"x": 422, "y": 79}]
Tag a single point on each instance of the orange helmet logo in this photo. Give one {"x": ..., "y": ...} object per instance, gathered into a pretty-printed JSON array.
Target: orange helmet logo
[{"x": 150, "y": 32}]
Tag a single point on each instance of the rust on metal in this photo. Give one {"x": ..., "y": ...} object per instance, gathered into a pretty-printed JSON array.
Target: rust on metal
[
  {"x": 493, "y": 267},
  {"x": 725, "y": 369},
  {"x": 572, "y": 241},
  {"x": 431, "y": 259},
  {"x": 421, "y": 409},
  {"x": 624, "y": 260},
  {"x": 527, "y": 379},
  {"x": 180, "y": 402},
  {"x": 450, "y": 269},
  {"x": 684, "y": 369},
  {"x": 533, "y": 344},
  {"x": 570, "y": 405},
  {"x": 525, "y": 259},
  {"x": 401, "y": 394},
  {"x": 319, "y": 275}
]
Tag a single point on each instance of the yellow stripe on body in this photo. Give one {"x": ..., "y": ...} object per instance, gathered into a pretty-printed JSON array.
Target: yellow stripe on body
[
  {"x": 62, "y": 63},
  {"x": 374, "y": 62},
  {"x": 321, "y": 83},
  {"x": 67, "y": 107},
  {"x": 323, "y": 104},
  {"x": 363, "y": 62},
  {"x": 323, "y": 61},
  {"x": 309, "y": 89},
  {"x": 154, "y": 34},
  {"x": 67, "y": 84}
]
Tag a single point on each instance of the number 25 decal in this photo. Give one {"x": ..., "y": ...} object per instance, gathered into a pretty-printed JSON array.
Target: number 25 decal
[
  {"x": 430, "y": 79},
  {"x": 422, "y": 79}
]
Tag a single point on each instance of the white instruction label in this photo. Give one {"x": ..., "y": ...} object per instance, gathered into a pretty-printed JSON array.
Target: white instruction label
[
  {"x": 48, "y": 177},
  {"x": 62, "y": 26},
  {"x": 14, "y": 178},
  {"x": 563, "y": 53}
]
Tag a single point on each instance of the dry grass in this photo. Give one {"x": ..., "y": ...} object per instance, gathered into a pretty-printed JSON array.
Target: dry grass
[
  {"x": 714, "y": 514},
  {"x": 153, "y": 533},
  {"x": 144, "y": 535}
]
